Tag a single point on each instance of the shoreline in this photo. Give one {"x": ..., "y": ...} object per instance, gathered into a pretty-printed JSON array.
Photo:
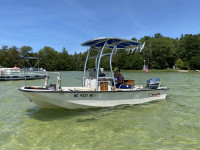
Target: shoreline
[{"x": 165, "y": 70}]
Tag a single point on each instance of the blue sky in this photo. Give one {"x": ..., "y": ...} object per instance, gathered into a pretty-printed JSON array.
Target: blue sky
[{"x": 68, "y": 23}]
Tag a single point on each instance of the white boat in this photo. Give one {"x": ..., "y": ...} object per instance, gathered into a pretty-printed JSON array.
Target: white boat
[
  {"x": 29, "y": 73},
  {"x": 98, "y": 89}
]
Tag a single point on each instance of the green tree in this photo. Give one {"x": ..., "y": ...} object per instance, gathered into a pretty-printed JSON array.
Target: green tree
[
  {"x": 3, "y": 56},
  {"x": 25, "y": 51},
  {"x": 64, "y": 62},
  {"x": 179, "y": 64},
  {"x": 137, "y": 61},
  {"x": 49, "y": 58},
  {"x": 121, "y": 58},
  {"x": 158, "y": 35},
  {"x": 189, "y": 50},
  {"x": 134, "y": 39},
  {"x": 159, "y": 51},
  {"x": 13, "y": 56}
]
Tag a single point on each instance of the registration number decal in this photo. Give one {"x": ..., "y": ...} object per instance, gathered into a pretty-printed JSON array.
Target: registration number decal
[{"x": 83, "y": 95}]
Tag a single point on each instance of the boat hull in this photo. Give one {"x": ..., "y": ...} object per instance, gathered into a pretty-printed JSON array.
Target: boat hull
[
  {"x": 92, "y": 99},
  {"x": 9, "y": 78}
]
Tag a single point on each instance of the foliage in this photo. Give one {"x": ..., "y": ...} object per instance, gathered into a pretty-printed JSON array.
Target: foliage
[
  {"x": 179, "y": 64},
  {"x": 25, "y": 51},
  {"x": 160, "y": 52}
]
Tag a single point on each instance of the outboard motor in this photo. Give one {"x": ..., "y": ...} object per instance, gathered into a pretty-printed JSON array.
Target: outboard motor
[{"x": 153, "y": 83}]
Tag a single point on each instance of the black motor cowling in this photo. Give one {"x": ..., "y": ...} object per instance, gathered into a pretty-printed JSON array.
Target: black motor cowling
[{"x": 153, "y": 83}]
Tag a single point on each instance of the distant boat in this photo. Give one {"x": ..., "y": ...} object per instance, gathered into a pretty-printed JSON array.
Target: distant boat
[
  {"x": 98, "y": 89},
  {"x": 29, "y": 73}
]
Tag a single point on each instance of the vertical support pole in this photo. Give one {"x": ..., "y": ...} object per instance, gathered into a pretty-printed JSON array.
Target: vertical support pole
[
  {"x": 97, "y": 82},
  {"x": 39, "y": 65},
  {"x": 112, "y": 75},
  {"x": 25, "y": 76},
  {"x": 142, "y": 73},
  {"x": 85, "y": 66},
  {"x": 97, "y": 59}
]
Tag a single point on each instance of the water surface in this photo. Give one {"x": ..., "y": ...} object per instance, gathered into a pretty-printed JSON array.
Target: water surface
[{"x": 173, "y": 123}]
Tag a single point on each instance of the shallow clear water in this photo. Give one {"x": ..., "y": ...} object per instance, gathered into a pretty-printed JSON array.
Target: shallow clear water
[{"x": 173, "y": 123}]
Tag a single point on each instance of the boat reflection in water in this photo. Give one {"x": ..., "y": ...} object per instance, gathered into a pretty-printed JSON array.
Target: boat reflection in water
[{"x": 98, "y": 89}]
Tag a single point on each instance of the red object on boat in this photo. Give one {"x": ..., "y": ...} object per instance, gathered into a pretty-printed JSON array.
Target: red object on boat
[{"x": 16, "y": 67}]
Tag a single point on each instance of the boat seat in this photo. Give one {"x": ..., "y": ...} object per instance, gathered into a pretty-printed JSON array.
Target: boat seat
[{"x": 84, "y": 89}]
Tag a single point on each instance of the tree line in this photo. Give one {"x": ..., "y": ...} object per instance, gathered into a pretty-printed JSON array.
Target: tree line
[{"x": 159, "y": 53}]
